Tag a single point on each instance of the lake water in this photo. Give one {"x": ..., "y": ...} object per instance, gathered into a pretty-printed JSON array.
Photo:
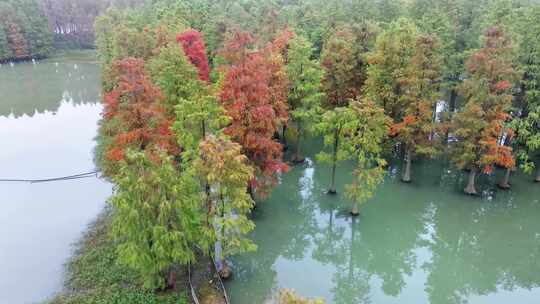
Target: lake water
[
  {"x": 424, "y": 242},
  {"x": 48, "y": 120}
]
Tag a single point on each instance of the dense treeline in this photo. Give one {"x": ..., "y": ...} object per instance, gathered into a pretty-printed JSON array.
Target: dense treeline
[
  {"x": 72, "y": 22},
  {"x": 24, "y": 32},
  {"x": 200, "y": 96}
]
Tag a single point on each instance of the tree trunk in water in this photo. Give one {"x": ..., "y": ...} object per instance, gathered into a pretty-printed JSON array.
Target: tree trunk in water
[
  {"x": 283, "y": 138},
  {"x": 332, "y": 189},
  {"x": 505, "y": 184},
  {"x": 471, "y": 188},
  {"x": 171, "y": 279},
  {"x": 250, "y": 192},
  {"x": 451, "y": 109},
  {"x": 225, "y": 271},
  {"x": 406, "y": 178},
  {"x": 538, "y": 175},
  {"x": 355, "y": 212},
  {"x": 297, "y": 158}
]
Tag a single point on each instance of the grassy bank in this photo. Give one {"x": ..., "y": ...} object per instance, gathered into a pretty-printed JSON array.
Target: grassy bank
[{"x": 93, "y": 275}]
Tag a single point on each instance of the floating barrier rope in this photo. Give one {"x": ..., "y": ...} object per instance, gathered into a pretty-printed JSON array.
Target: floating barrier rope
[{"x": 54, "y": 179}]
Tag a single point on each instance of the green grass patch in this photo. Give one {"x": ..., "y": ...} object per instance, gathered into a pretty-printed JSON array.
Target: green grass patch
[{"x": 95, "y": 277}]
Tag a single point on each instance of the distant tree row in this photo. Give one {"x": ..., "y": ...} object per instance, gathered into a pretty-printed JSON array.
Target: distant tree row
[
  {"x": 199, "y": 95},
  {"x": 72, "y": 22},
  {"x": 24, "y": 31}
]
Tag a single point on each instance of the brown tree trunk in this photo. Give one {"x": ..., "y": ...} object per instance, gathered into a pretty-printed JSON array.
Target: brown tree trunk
[
  {"x": 297, "y": 158},
  {"x": 332, "y": 189},
  {"x": 283, "y": 138},
  {"x": 355, "y": 211},
  {"x": 471, "y": 186},
  {"x": 406, "y": 177},
  {"x": 250, "y": 192},
  {"x": 451, "y": 109},
  {"x": 505, "y": 183},
  {"x": 225, "y": 272},
  {"x": 171, "y": 279}
]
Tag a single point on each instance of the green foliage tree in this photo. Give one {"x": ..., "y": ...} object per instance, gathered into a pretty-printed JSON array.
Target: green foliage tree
[
  {"x": 26, "y": 30},
  {"x": 223, "y": 167},
  {"x": 388, "y": 66},
  {"x": 305, "y": 93},
  {"x": 339, "y": 60},
  {"x": 334, "y": 126},
  {"x": 175, "y": 75},
  {"x": 365, "y": 139},
  {"x": 5, "y": 51},
  {"x": 527, "y": 124},
  {"x": 156, "y": 218},
  {"x": 440, "y": 18},
  {"x": 421, "y": 92}
]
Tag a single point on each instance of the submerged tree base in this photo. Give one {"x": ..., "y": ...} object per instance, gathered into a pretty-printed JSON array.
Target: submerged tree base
[
  {"x": 298, "y": 160},
  {"x": 504, "y": 186},
  {"x": 470, "y": 192},
  {"x": 406, "y": 180},
  {"x": 331, "y": 192}
]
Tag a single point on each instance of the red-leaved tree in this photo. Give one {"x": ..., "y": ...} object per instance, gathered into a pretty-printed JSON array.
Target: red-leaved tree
[
  {"x": 274, "y": 58},
  {"x": 193, "y": 44},
  {"x": 247, "y": 98},
  {"x": 134, "y": 110}
]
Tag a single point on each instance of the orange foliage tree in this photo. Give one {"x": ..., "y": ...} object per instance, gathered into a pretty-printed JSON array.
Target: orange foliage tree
[
  {"x": 479, "y": 127},
  {"x": 134, "y": 115},
  {"x": 248, "y": 101}
]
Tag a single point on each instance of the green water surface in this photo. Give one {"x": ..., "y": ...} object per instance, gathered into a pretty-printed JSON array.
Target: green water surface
[
  {"x": 423, "y": 242},
  {"x": 49, "y": 112}
]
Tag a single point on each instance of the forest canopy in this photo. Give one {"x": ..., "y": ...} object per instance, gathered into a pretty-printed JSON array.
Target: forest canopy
[
  {"x": 210, "y": 91},
  {"x": 24, "y": 30}
]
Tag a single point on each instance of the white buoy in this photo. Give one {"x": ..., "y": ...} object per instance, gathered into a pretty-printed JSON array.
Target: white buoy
[
  {"x": 75, "y": 66},
  {"x": 11, "y": 64}
]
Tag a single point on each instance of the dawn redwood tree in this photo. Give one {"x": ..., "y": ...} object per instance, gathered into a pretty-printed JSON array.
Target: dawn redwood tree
[
  {"x": 176, "y": 77},
  {"x": 365, "y": 138},
  {"x": 527, "y": 125},
  {"x": 156, "y": 217},
  {"x": 305, "y": 93},
  {"x": 334, "y": 125},
  {"x": 388, "y": 63},
  {"x": 16, "y": 40},
  {"x": 246, "y": 97},
  {"x": 420, "y": 94},
  {"x": 5, "y": 51},
  {"x": 133, "y": 114},
  {"x": 274, "y": 57},
  {"x": 339, "y": 61},
  {"x": 226, "y": 170},
  {"x": 189, "y": 98},
  {"x": 193, "y": 44},
  {"x": 479, "y": 127},
  {"x": 442, "y": 21}
]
